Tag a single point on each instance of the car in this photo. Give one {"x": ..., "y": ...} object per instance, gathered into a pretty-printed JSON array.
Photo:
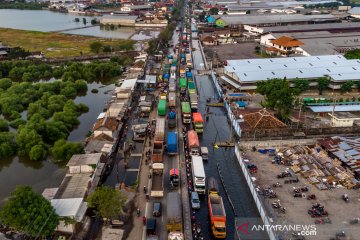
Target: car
[
  {"x": 157, "y": 209},
  {"x": 195, "y": 201}
]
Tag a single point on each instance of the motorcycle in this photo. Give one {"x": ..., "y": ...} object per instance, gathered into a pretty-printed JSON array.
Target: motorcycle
[
  {"x": 345, "y": 197},
  {"x": 277, "y": 185}
]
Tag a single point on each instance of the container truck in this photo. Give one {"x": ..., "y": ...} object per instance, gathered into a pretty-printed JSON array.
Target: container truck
[
  {"x": 157, "y": 180},
  {"x": 191, "y": 87},
  {"x": 158, "y": 145},
  {"x": 198, "y": 174},
  {"x": 174, "y": 177},
  {"x": 172, "y": 100},
  {"x": 182, "y": 71},
  {"x": 162, "y": 107},
  {"x": 216, "y": 210},
  {"x": 172, "y": 145},
  {"x": 182, "y": 84},
  {"x": 186, "y": 112},
  {"x": 172, "y": 86},
  {"x": 193, "y": 101},
  {"x": 172, "y": 119},
  {"x": 193, "y": 143},
  {"x": 198, "y": 122},
  {"x": 173, "y": 211},
  {"x": 139, "y": 132}
]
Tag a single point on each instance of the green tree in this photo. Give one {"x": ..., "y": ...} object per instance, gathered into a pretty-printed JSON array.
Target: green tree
[
  {"x": 96, "y": 47},
  {"x": 38, "y": 152},
  {"x": 63, "y": 151},
  {"x": 94, "y": 21},
  {"x": 8, "y": 145},
  {"x": 346, "y": 87},
  {"x": 26, "y": 139},
  {"x": 214, "y": 11},
  {"x": 301, "y": 85},
  {"x": 278, "y": 95},
  {"x": 107, "y": 202},
  {"x": 107, "y": 49},
  {"x": 353, "y": 54},
  {"x": 357, "y": 83},
  {"x": 29, "y": 212},
  {"x": 18, "y": 53},
  {"x": 5, "y": 83},
  {"x": 323, "y": 84},
  {"x": 4, "y": 126}
]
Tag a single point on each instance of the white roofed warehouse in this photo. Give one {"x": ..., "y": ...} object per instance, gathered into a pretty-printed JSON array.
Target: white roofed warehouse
[{"x": 337, "y": 68}]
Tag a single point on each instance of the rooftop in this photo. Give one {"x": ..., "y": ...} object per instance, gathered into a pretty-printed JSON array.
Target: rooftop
[
  {"x": 70, "y": 207},
  {"x": 74, "y": 186},
  {"x": 107, "y": 123},
  {"x": 286, "y": 41},
  {"x": 96, "y": 146},
  {"x": 338, "y": 108},
  {"x": 273, "y": 18},
  {"x": 261, "y": 119},
  {"x": 312, "y": 27},
  {"x": 335, "y": 66},
  {"x": 84, "y": 159}
]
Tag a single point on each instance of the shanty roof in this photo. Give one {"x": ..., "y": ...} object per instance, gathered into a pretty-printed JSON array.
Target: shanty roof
[
  {"x": 108, "y": 123},
  {"x": 287, "y": 42},
  {"x": 70, "y": 207},
  {"x": 74, "y": 186},
  {"x": 262, "y": 119},
  {"x": 84, "y": 159}
]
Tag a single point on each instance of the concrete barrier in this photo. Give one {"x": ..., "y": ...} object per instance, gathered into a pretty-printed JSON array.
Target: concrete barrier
[{"x": 259, "y": 204}]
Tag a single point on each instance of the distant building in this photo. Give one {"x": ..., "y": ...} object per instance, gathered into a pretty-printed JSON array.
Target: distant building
[
  {"x": 248, "y": 72},
  {"x": 343, "y": 119},
  {"x": 136, "y": 8},
  {"x": 355, "y": 12},
  {"x": 119, "y": 20},
  {"x": 284, "y": 46}
]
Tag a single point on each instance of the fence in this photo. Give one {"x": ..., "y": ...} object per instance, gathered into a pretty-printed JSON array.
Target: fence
[
  {"x": 232, "y": 118},
  {"x": 254, "y": 193}
]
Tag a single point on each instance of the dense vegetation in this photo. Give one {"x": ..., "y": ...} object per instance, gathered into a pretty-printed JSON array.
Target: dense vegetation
[
  {"x": 23, "y": 5},
  {"x": 29, "y": 213},
  {"x": 51, "y": 112},
  {"x": 107, "y": 202},
  {"x": 353, "y": 54}
]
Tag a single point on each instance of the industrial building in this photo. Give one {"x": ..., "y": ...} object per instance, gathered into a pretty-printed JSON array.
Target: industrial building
[
  {"x": 246, "y": 73},
  {"x": 120, "y": 20}
]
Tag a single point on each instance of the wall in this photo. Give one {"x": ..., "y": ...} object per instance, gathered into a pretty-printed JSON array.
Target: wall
[{"x": 252, "y": 187}]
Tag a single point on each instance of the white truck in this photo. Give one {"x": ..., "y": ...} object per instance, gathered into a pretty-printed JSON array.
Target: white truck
[
  {"x": 194, "y": 101},
  {"x": 172, "y": 100},
  {"x": 157, "y": 180},
  {"x": 198, "y": 173}
]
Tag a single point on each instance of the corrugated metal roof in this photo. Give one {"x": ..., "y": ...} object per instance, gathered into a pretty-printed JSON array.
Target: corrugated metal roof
[{"x": 338, "y": 108}]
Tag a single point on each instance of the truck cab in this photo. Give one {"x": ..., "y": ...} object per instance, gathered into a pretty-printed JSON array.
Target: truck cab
[{"x": 151, "y": 227}]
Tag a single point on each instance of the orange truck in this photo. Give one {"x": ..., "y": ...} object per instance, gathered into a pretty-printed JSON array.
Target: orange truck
[
  {"x": 216, "y": 210},
  {"x": 193, "y": 143},
  {"x": 198, "y": 122}
]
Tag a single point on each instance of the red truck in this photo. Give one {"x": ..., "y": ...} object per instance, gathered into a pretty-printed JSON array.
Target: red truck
[{"x": 216, "y": 210}]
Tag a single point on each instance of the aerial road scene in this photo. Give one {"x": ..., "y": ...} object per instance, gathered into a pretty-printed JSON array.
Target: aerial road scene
[{"x": 179, "y": 120}]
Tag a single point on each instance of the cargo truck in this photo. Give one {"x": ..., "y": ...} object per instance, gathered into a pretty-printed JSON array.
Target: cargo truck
[
  {"x": 193, "y": 101},
  {"x": 216, "y": 210},
  {"x": 172, "y": 100},
  {"x": 182, "y": 71},
  {"x": 182, "y": 84},
  {"x": 198, "y": 122},
  {"x": 176, "y": 236},
  {"x": 198, "y": 174},
  {"x": 186, "y": 112},
  {"x": 191, "y": 87},
  {"x": 172, "y": 145},
  {"x": 174, "y": 177},
  {"x": 158, "y": 145},
  {"x": 162, "y": 107},
  {"x": 157, "y": 180},
  {"x": 172, "y": 119},
  {"x": 173, "y": 211},
  {"x": 193, "y": 142},
  {"x": 139, "y": 132}
]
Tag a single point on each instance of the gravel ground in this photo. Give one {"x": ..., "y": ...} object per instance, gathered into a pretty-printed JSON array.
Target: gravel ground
[{"x": 296, "y": 208}]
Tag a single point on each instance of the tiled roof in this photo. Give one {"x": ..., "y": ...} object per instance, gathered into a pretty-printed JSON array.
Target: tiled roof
[
  {"x": 108, "y": 123},
  {"x": 287, "y": 42}
]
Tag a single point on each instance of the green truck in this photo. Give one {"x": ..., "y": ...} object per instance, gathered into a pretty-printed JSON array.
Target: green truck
[
  {"x": 183, "y": 84},
  {"x": 191, "y": 87},
  {"x": 186, "y": 112},
  {"x": 162, "y": 107}
]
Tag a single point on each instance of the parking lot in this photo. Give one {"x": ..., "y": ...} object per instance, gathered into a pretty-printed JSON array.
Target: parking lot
[
  {"x": 225, "y": 52},
  {"x": 340, "y": 212}
]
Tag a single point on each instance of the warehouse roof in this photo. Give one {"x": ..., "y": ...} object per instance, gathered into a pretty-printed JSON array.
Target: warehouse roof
[
  {"x": 251, "y": 70},
  {"x": 122, "y": 17},
  {"x": 338, "y": 108},
  {"x": 354, "y": 10},
  {"x": 272, "y": 18},
  {"x": 313, "y": 27}
]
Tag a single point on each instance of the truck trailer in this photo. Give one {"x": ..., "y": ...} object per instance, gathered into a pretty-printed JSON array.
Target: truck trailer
[
  {"x": 216, "y": 210},
  {"x": 194, "y": 101},
  {"x": 172, "y": 100},
  {"x": 162, "y": 107},
  {"x": 186, "y": 112},
  {"x": 174, "y": 213},
  {"x": 157, "y": 180},
  {"x": 198, "y": 174},
  {"x": 193, "y": 142},
  {"x": 158, "y": 145},
  {"x": 172, "y": 144}
]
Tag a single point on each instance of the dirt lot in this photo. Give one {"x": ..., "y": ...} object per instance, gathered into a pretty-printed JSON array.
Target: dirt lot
[
  {"x": 232, "y": 51},
  {"x": 339, "y": 211}
]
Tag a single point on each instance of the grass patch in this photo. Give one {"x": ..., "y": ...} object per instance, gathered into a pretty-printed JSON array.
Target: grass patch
[{"x": 55, "y": 45}]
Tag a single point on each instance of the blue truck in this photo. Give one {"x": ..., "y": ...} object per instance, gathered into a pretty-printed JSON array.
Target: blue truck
[{"x": 172, "y": 148}]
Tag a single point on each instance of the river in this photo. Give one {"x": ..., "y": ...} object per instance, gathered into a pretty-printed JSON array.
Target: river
[
  {"x": 40, "y": 175},
  {"x": 48, "y": 21}
]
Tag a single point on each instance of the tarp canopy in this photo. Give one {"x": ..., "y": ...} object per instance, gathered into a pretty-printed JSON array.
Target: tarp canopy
[
  {"x": 174, "y": 171},
  {"x": 197, "y": 117}
]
